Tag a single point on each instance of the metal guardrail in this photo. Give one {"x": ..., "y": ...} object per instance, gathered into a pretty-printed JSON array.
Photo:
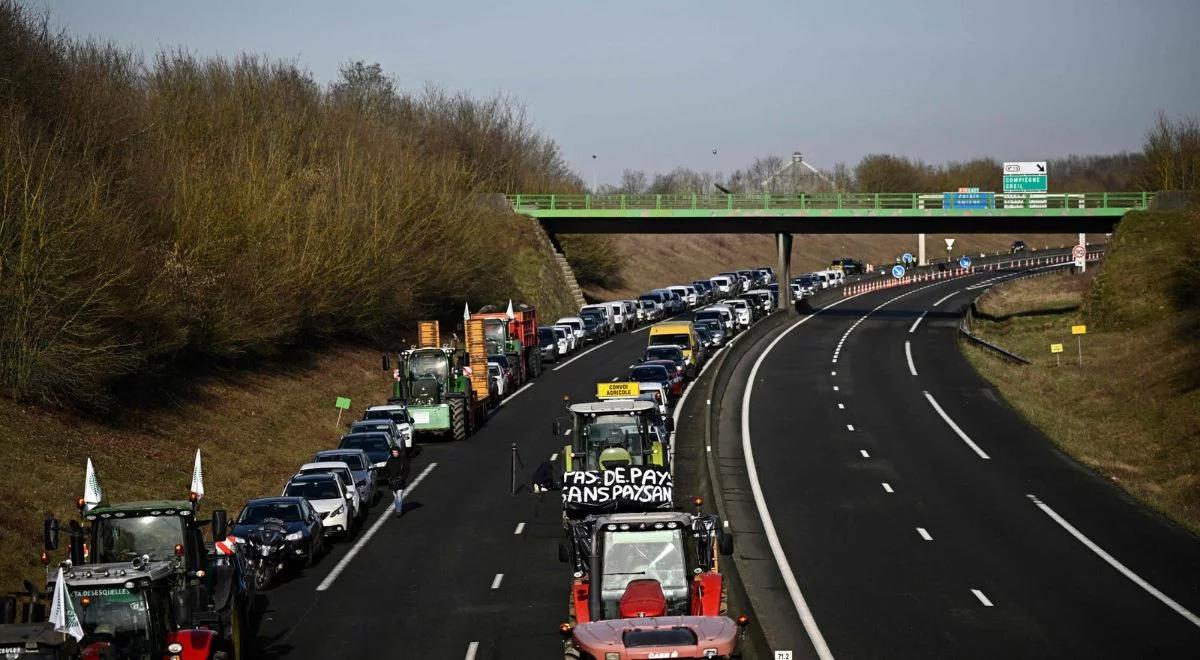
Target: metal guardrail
[{"x": 915, "y": 202}]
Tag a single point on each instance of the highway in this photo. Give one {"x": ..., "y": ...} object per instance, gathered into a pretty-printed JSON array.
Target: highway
[
  {"x": 922, "y": 517},
  {"x": 471, "y": 571}
]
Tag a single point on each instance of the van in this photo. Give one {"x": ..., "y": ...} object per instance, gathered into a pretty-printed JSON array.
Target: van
[
  {"x": 603, "y": 310},
  {"x": 682, "y": 292},
  {"x": 722, "y": 284},
  {"x": 619, "y": 315},
  {"x": 677, "y": 333}
]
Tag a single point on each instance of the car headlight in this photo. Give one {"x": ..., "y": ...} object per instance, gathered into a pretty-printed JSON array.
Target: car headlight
[
  {"x": 294, "y": 536},
  {"x": 174, "y": 647},
  {"x": 339, "y": 511}
]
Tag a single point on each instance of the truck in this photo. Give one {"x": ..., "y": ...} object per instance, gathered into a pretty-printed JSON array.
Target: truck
[
  {"x": 513, "y": 333},
  {"x": 444, "y": 386},
  {"x": 145, "y": 585}
]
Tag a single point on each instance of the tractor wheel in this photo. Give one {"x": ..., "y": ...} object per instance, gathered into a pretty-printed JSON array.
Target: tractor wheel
[
  {"x": 458, "y": 418},
  {"x": 238, "y": 647}
]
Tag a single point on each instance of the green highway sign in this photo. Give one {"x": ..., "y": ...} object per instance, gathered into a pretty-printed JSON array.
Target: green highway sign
[
  {"x": 1024, "y": 183},
  {"x": 342, "y": 403}
]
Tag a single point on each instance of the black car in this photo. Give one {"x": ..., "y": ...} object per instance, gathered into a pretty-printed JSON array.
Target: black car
[
  {"x": 848, "y": 266},
  {"x": 652, "y": 373},
  {"x": 1018, "y": 246},
  {"x": 672, "y": 353},
  {"x": 548, "y": 343},
  {"x": 595, "y": 327},
  {"x": 305, "y": 538},
  {"x": 714, "y": 328},
  {"x": 377, "y": 445}
]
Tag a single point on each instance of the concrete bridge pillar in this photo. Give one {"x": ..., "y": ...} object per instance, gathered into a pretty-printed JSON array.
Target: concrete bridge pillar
[{"x": 783, "y": 242}]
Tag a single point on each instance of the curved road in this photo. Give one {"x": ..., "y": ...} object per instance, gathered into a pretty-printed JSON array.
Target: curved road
[{"x": 923, "y": 517}]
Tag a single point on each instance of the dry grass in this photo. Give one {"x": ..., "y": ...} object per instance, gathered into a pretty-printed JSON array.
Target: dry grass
[
  {"x": 651, "y": 261},
  {"x": 253, "y": 429},
  {"x": 1132, "y": 411}
]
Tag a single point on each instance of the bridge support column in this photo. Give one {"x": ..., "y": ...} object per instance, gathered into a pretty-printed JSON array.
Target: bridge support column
[
  {"x": 921, "y": 250},
  {"x": 783, "y": 242}
]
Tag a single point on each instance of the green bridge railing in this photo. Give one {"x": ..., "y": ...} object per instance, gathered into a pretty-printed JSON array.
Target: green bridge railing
[{"x": 912, "y": 202}]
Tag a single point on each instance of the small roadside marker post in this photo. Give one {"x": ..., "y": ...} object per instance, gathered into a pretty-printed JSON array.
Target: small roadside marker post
[
  {"x": 1079, "y": 331},
  {"x": 341, "y": 403},
  {"x": 1057, "y": 350}
]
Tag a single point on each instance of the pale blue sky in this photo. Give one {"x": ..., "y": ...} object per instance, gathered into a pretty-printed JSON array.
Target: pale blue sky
[{"x": 659, "y": 83}]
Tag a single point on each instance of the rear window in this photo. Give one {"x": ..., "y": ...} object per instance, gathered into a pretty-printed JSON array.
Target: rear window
[
  {"x": 651, "y": 372},
  {"x": 669, "y": 340}
]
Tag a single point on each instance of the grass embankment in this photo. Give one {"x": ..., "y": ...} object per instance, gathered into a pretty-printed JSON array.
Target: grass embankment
[
  {"x": 253, "y": 428},
  {"x": 1132, "y": 411}
]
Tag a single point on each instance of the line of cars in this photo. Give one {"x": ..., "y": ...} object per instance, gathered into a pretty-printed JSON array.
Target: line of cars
[{"x": 328, "y": 497}]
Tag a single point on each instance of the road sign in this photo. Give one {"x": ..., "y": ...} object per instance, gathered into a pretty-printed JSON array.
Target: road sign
[
  {"x": 964, "y": 262},
  {"x": 342, "y": 403},
  {"x": 1079, "y": 252},
  {"x": 1079, "y": 329},
  {"x": 949, "y": 243},
  {"x": 1025, "y": 183},
  {"x": 1026, "y": 167},
  {"x": 1056, "y": 348},
  {"x": 906, "y": 257},
  {"x": 968, "y": 200},
  {"x": 617, "y": 390},
  {"x": 897, "y": 271}
]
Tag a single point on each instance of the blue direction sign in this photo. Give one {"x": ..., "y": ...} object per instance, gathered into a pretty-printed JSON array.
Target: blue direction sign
[
  {"x": 898, "y": 270},
  {"x": 968, "y": 200},
  {"x": 965, "y": 262},
  {"x": 906, "y": 257}
]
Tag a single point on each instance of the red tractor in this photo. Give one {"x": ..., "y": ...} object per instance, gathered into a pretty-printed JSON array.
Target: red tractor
[{"x": 515, "y": 337}]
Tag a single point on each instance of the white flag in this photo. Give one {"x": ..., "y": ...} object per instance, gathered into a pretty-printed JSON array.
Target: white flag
[
  {"x": 62, "y": 610},
  {"x": 92, "y": 495},
  {"x": 510, "y": 310},
  {"x": 466, "y": 312},
  {"x": 198, "y": 478}
]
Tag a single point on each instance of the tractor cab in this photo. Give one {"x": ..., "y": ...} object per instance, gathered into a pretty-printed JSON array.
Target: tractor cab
[
  {"x": 125, "y": 608},
  {"x": 613, "y": 433},
  {"x": 650, "y": 564},
  {"x": 427, "y": 373}
]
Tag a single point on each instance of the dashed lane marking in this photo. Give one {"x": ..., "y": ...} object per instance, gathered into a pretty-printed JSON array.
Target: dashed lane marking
[
  {"x": 924, "y": 534},
  {"x": 983, "y": 599},
  {"x": 496, "y": 581},
  {"x": 849, "y": 427},
  {"x": 472, "y": 649},
  {"x": 946, "y": 418},
  {"x": 520, "y": 528},
  {"x": 917, "y": 322},
  {"x": 841, "y": 406},
  {"x": 864, "y": 453},
  {"x": 912, "y": 368},
  {"x": 945, "y": 299},
  {"x": 888, "y": 487}
]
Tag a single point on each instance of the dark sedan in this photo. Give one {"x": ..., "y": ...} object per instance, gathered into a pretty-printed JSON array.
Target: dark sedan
[
  {"x": 377, "y": 445},
  {"x": 676, "y": 383},
  {"x": 654, "y": 373},
  {"x": 305, "y": 538}
]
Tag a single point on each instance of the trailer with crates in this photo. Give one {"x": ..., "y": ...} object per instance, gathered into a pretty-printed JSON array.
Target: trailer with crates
[{"x": 443, "y": 384}]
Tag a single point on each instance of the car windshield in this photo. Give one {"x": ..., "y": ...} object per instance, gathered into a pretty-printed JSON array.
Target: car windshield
[
  {"x": 648, "y": 373},
  {"x": 372, "y": 444},
  {"x": 255, "y": 514},
  {"x": 667, "y": 340},
  {"x": 546, "y": 336},
  {"x": 120, "y": 539},
  {"x": 424, "y": 364},
  {"x": 397, "y": 415},
  {"x": 590, "y": 321},
  {"x": 494, "y": 330},
  {"x": 313, "y": 489},
  {"x": 494, "y": 369},
  {"x": 355, "y": 461},
  {"x": 638, "y": 555},
  {"x": 116, "y": 615},
  {"x": 663, "y": 353},
  {"x": 501, "y": 360},
  {"x": 613, "y": 431}
]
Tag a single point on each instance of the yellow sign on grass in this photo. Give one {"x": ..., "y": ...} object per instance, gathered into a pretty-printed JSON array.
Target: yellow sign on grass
[
  {"x": 1079, "y": 329},
  {"x": 617, "y": 390},
  {"x": 1056, "y": 348}
]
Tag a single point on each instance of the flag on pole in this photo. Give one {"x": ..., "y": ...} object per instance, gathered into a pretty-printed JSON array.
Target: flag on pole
[
  {"x": 62, "y": 610},
  {"x": 510, "y": 309},
  {"x": 466, "y": 312},
  {"x": 198, "y": 478},
  {"x": 92, "y": 495}
]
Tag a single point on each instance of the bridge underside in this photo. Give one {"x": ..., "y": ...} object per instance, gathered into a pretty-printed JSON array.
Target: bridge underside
[{"x": 1041, "y": 221}]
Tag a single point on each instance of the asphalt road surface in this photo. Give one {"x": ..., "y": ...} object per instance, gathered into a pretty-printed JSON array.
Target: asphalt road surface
[
  {"x": 471, "y": 571},
  {"x": 923, "y": 517}
]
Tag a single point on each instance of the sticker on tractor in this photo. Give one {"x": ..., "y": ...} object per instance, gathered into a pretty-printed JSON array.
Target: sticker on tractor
[
  {"x": 623, "y": 488},
  {"x": 617, "y": 390}
]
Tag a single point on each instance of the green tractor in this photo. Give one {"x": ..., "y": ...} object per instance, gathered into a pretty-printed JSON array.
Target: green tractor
[
  {"x": 441, "y": 391},
  {"x": 614, "y": 432}
]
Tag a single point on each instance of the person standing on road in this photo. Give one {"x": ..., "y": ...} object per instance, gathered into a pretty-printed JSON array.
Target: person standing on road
[{"x": 396, "y": 472}]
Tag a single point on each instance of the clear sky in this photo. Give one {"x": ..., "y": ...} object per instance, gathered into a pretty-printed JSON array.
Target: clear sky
[{"x": 651, "y": 84}]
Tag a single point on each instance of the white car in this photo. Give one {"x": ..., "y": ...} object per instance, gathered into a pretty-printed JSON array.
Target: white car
[
  {"x": 689, "y": 301},
  {"x": 620, "y": 315},
  {"x": 497, "y": 376},
  {"x": 328, "y": 497},
  {"x": 722, "y": 284},
  {"x": 741, "y": 311},
  {"x": 399, "y": 416},
  {"x": 576, "y": 325},
  {"x": 343, "y": 472},
  {"x": 562, "y": 339},
  {"x": 569, "y": 333},
  {"x": 725, "y": 314}
]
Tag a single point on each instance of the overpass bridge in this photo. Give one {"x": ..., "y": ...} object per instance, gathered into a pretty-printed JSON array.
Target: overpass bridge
[{"x": 830, "y": 213}]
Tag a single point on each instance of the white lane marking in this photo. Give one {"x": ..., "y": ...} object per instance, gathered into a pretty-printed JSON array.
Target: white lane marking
[
  {"x": 472, "y": 648},
  {"x": 520, "y": 528},
  {"x": 946, "y": 418},
  {"x": 945, "y": 299},
  {"x": 887, "y": 487},
  {"x": 616, "y": 378},
  {"x": 785, "y": 569},
  {"x": 835, "y": 388},
  {"x": 362, "y": 541},
  {"x": 1134, "y": 577},
  {"x": 553, "y": 456},
  {"x": 833, "y": 373},
  {"x": 924, "y": 534},
  {"x": 496, "y": 581},
  {"x": 912, "y": 368},
  {"x": 880, "y": 306},
  {"x": 512, "y": 396},
  {"x": 583, "y": 354},
  {"x": 841, "y": 406},
  {"x": 864, "y": 453},
  {"x": 983, "y": 599},
  {"x": 849, "y": 427},
  {"x": 917, "y": 322}
]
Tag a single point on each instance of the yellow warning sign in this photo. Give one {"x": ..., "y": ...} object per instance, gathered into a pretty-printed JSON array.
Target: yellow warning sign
[
  {"x": 617, "y": 390},
  {"x": 1079, "y": 329},
  {"x": 1056, "y": 348}
]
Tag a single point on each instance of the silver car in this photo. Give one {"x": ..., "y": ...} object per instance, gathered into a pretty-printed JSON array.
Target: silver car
[{"x": 365, "y": 475}]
